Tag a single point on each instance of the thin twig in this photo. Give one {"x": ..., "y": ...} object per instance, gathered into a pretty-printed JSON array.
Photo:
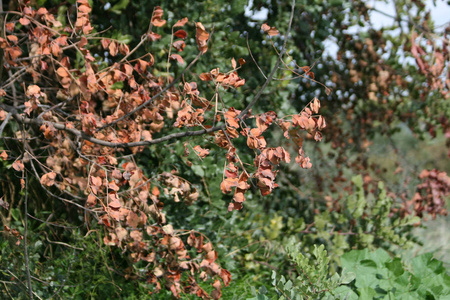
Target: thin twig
[
  {"x": 61, "y": 243},
  {"x": 269, "y": 78},
  {"x": 154, "y": 97},
  {"x": 26, "y": 257},
  {"x": 82, "y": 135},
  {"x": 2, "y": 127},
  {"x": 254, "y": 60}
]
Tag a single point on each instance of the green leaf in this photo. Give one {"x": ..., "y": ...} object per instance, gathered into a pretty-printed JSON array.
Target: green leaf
[
  {"x": 367, "y": 293},
  {"x": 347, "y": 277},
  {"x": 395, "y": 266},
  {"x": 118, "y": 7},
  {"x": 117, "y": 85},
  {"x": 15, "y": 212},
  {"x": 198, "y": 170}
]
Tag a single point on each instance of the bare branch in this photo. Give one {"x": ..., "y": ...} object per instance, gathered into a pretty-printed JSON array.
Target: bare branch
[{"x": 277, "y": 65}]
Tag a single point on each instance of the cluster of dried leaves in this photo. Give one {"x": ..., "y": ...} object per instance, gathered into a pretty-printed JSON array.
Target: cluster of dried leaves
[
  {"x": 431, "y": 194},
  {"x": 87, "y": 116},
  {"x": 267, "y": 159}
]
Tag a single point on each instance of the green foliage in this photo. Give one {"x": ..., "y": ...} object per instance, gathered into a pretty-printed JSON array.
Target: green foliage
[
  {"x": 380, "y": 276},
  {"x": 318, "y": 216},
  {"x": 364, "y": 275},
  {"x": 313, "y": 280},
  {"x": 361, "y": 219}
]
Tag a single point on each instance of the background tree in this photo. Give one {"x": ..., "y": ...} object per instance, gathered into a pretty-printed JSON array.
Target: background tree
[{"x": 147, "y": 134}]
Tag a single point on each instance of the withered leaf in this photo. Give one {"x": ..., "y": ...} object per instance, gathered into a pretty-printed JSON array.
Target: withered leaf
[
  {"x": 315, "y": 105},
  {"x": 181, "y": 22},
  {"x": 4, "y": 204},
  {"x": 95, "y": 180},
  {"x": 18, "y": 165},
  {"x": 48, "y": 179},
  {"x": 4, "y": 155},
  {"x": 153, "y": 36},
  {"x": 201, "y": 37},
  {"x": 321, "y": 123},
  {"x": 62, "y": 72},
  {"x": 179, "y": 45},
  {"x": 132, "y": 219},
  {"x": 271, "y": 31},
  {"x": 180, "y": 34},
  {"x": 91, "y": 200},
  {"x": 227, "y": 184},
  {"x": 115, "y": 204},
  {"x": 177, "y": 57},
  {"x": 24, "y": 21},
  {"x": 233, "y": 63},
  {"x": 201, "y": 152}
]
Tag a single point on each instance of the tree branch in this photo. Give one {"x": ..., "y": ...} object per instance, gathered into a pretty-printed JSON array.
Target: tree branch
[
  {"x": 277, "y": 65},
  {"x": 154, "y": 97},
  {"x": 38, "y": 122},
  {"x": 24, "y": 120},
  {"x": 25, "y": 233}
]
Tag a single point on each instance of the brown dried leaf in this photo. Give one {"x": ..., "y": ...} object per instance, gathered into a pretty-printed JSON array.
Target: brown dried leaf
[
  {"x": 48, "y": 179},
  {"x": 177, "y": 57},
  {"x": 133, "y": 219},
  {"x": 180, "y": 34},
  {"x": 179, "y": 45},
  {"x": 113, "y": 186},
  {"x": 12, "y": 38},
  {"x": 113, "y": 48},
  {"x": 33, "y": 90},
  {"x": 315, "y": 105},
  {"x": 271, "y": 31},
  {"x": 321, "y": 123},
  {"x": 225, "y": 275},
  {"x": 96, "y": 181},
  {"x": 156, "y": 21},
  {"x": 156, "y": 17},
  {"x": 18, "y": 165},
  {"x": 181, "y": 22},
  {"x": 4, "y": 155},
  {"x": 115, "y": 204},
  {"x": 233, "y": 63},
  {"x": 62, "y": 72},
  {"x": 205, "y": 77},
  {"x": 227, "y": 184},
  {"x": 5, "y": 205},
  {"x": 201, "y": 152},
  {"x": 91, "y": 200},
  {"x": 153, "y": 36},
  {"x": 201, "y": 37}
]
